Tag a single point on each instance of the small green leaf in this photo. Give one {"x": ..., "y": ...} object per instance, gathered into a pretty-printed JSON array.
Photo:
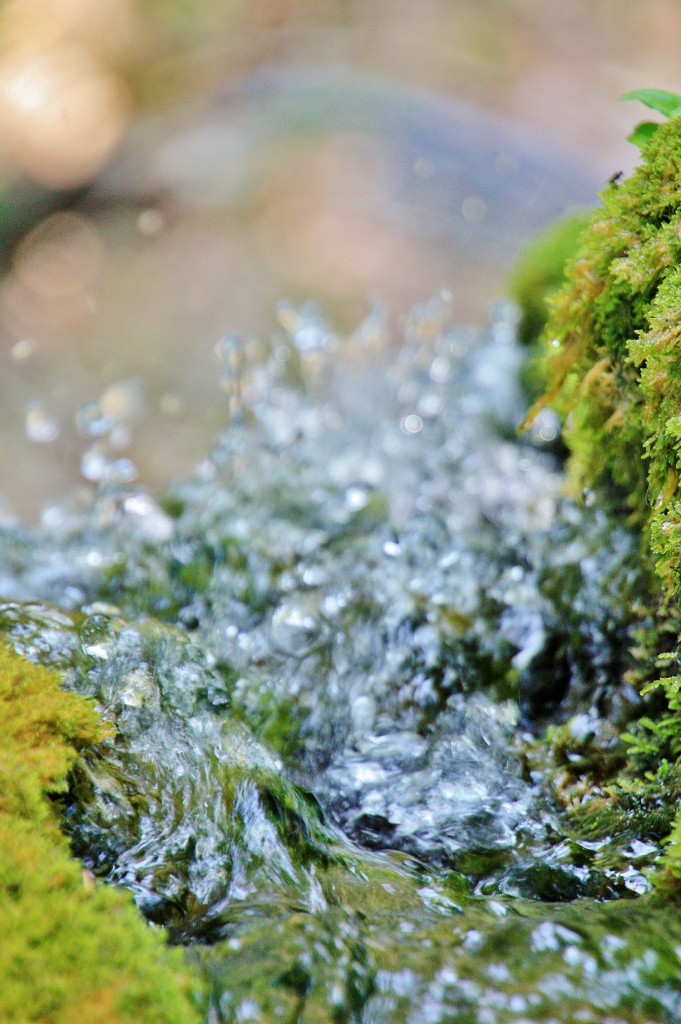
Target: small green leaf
[
  {"x": 667, "y": 103},
  {"x": 642, "y": 133}
]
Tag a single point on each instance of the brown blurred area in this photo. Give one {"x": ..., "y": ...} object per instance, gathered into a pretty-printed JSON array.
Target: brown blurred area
[{"x": 170, "y": 170}]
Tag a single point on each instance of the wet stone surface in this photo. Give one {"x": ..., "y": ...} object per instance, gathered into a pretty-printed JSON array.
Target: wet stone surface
[{"x": 322, "y": 654}]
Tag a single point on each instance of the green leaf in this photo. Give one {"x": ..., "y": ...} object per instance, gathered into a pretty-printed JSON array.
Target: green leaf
[
  {"x": 667, "y": 103},
  {"x": 642, "y": 133}
]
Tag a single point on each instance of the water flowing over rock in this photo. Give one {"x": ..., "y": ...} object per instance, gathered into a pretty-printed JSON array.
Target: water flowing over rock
[{"x": 322, "y": 655}]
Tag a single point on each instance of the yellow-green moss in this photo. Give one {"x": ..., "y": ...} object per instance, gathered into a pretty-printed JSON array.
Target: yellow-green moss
[
  {"x": 613, "y": 365},
  {"x": 72, "y": 951},
  {"x": 610, "y": 341},
  {"x": 540, "y": 271}
]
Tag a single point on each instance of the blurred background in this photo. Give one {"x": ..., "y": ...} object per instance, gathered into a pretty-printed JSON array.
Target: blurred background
[{"x": 170, "y": 170}]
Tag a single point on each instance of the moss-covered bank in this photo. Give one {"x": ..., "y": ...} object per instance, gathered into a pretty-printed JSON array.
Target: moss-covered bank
[
  {"x": 613, "y": 365},
  {"x": 72, "y": 950}
]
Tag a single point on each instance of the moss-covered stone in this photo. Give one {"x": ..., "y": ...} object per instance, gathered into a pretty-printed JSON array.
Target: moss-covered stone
[
  {"x": 72, "y": 950},
  {"x": 540, "y": 272},
  {"x": 613, "y": 364},
  {"x": 610, "y": 342}
]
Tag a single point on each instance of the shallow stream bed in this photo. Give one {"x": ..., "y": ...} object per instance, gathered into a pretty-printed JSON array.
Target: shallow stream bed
[{"x": 326, "y": 656}]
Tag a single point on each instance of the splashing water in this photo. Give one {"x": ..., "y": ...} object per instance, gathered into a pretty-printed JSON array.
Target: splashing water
[{"x": 321, "y": 655}]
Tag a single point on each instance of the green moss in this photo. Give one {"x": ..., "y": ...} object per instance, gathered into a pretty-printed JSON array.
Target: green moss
[
  {"x": 72, "y": 950},
  {"x": 613, "y": 365},
  {"x": 610, "y": 339},
  {"x": 540, "y": 271}
]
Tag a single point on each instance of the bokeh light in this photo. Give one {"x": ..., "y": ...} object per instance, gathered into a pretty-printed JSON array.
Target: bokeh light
[
  {"x": 55, "y": 269},
  {"x": 64, "y": 104}
]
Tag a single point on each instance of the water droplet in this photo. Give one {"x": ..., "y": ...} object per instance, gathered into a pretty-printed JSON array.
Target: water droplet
[
  {"x": 372, "y": 333},
  {"x": 121, "y": 471},
  {"x": 356, "y": 498},
  {"x": 39, "y": 425},
  {"x": 412, "y": 424},
  {"x": 22, "y": 350},
  {"x": 122, "y": 400},
  {"x": 306, "y": 327},
  {"x": 93, "y": 464},
  {"x": 545, "y": 427},
  {"x": 91, "y": 420},
  {"x": 474, "y": 209},
  {"x": 430, "y": 406},
  {"x": 439, "y": 369},
  {"x": 152, "y": 521},
  {"x": 97, "y": 467},
  {"x": 230, "y": 350}
]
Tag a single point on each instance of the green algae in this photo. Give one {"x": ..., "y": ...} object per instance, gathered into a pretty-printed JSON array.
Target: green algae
[{"x": 72, "y": 949}]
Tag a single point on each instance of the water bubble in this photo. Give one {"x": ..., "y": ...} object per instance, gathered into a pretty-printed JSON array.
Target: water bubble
[
  {"x": 372, "y": 333},
  {"x": 356, "y": 498},
  {"x": 137, "y": 688},
  {"x": 93, "y": 464},
  {"x": 439, "y": 369},
  {"x": 306, "y": 327},
  {"x": 120, "y": 436},
  {"x": 152, "y": 521},
  {"x": 97, "y": 467},
  {"x": 545, "y": 427},
  {"x": 22, "y": 350},
  {"x": 428, "y": 321},
  {"x": 39, "y": 425},
  {"x": 473, "y": 209},
  {"x": 430, "y": 406},
  {"x": 122, "y": 400},
  {"x": 91, "y": 420},
  {"x": 295, "y": 630},
  {"x": 412, "y": 424},
  {"x": 230, "y": 350},
  {"x": 121, "y": 471}
]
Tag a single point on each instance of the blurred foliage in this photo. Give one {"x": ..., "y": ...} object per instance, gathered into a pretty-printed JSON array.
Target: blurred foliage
[
  {"x": 540, "y": 271},
  {"x": 666, "y": 103}
]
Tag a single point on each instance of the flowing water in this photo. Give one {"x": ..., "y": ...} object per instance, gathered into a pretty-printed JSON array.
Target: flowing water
[{"x": 325, "y": 655}]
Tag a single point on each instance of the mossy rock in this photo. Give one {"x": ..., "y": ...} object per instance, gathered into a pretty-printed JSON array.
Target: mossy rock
[
  {"x": 612, "y": 347},
  {"x": 613, "y": 365},
  {"x": 540, "y": 271},
  {"x": 72, "y": 950},
  {"x": 521, "y": 961}
]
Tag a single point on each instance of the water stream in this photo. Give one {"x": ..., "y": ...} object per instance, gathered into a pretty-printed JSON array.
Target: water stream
[{"x": 325, "y": 655}]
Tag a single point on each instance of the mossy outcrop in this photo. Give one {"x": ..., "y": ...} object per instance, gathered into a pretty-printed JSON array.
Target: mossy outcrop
[
  {"x": 614, "y": 362},
  {"x": 613, "y": 365},
  {"x": 540, "y": 271},
  {"x": 72, "y": 950}
]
